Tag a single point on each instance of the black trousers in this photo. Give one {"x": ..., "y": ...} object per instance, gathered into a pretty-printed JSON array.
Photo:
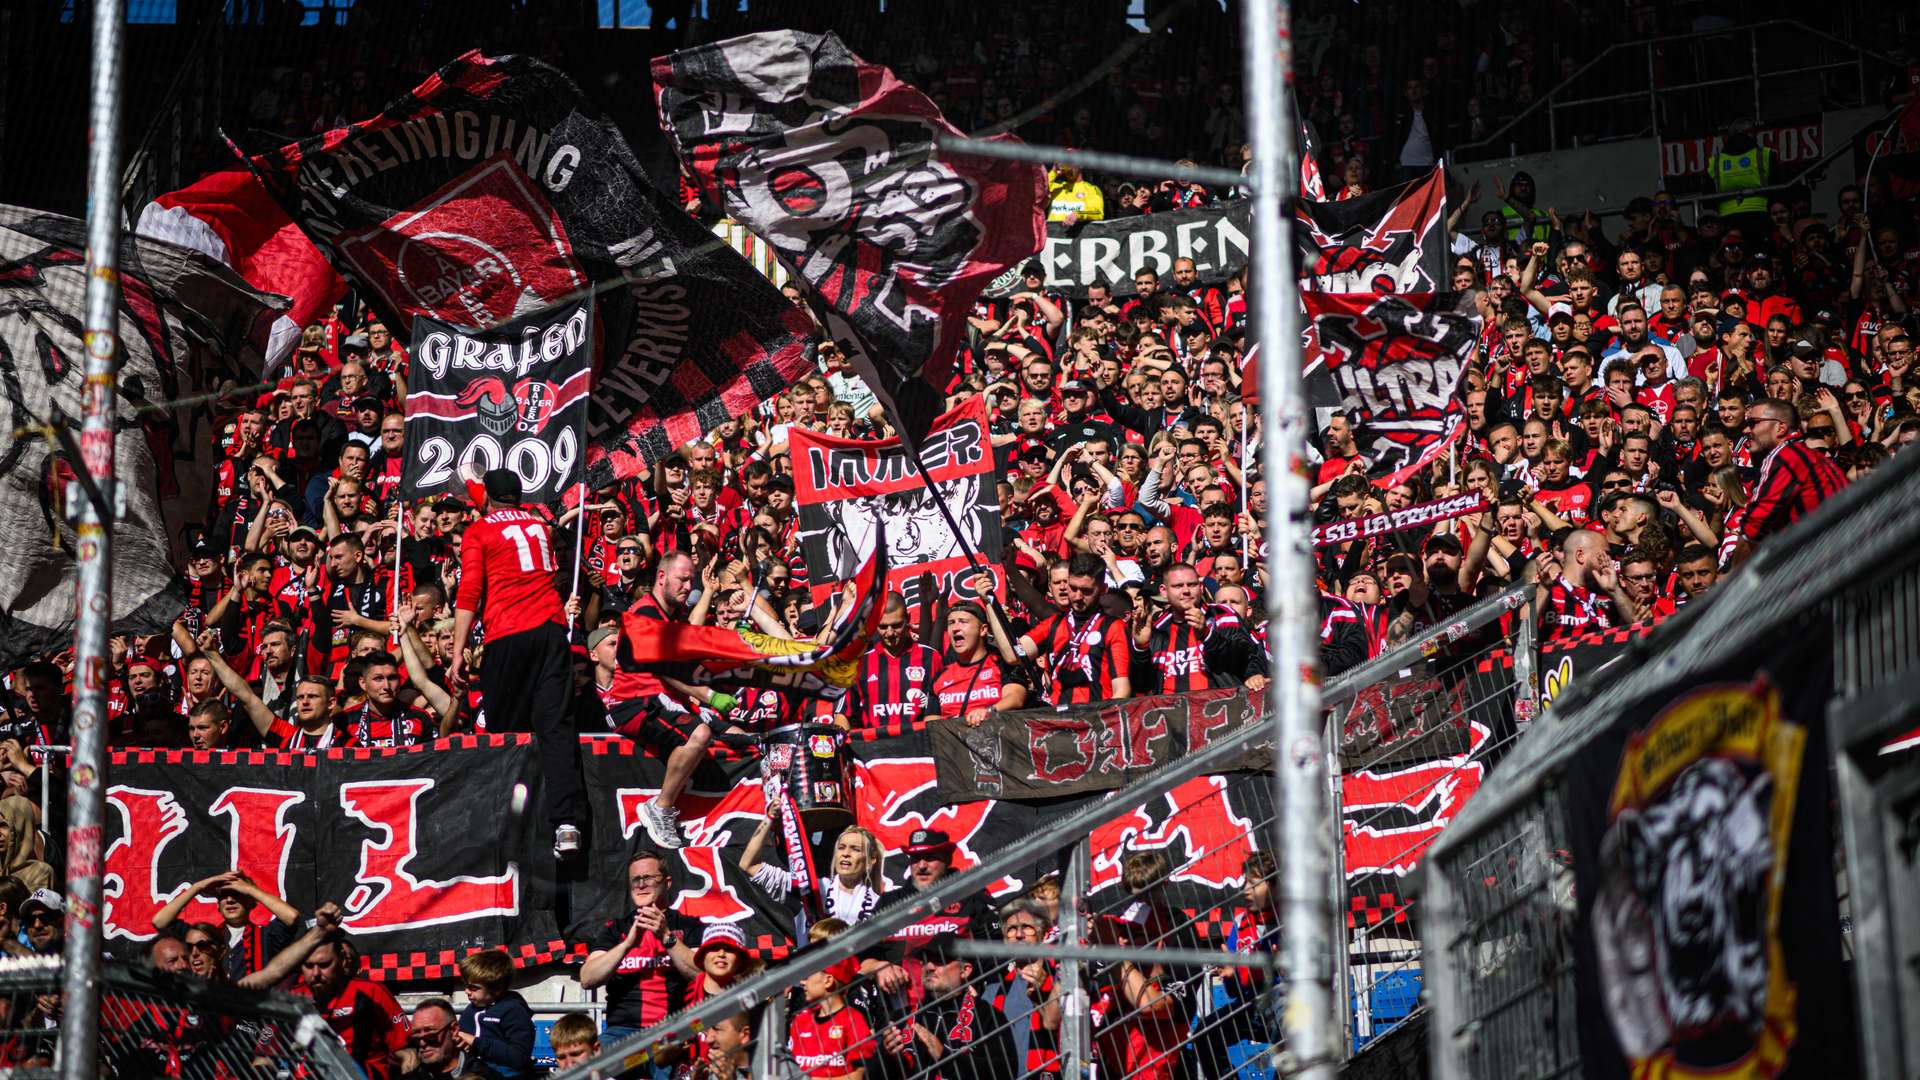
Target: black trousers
[{"x": 527, "y": 683}]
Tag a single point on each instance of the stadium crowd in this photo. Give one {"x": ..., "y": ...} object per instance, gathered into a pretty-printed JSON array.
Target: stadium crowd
[{"x": 1650, "y": 400}]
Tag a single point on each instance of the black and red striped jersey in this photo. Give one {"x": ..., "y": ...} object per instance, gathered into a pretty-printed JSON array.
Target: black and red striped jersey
[
  {"x": 369, "y": 727},
  {"x": 893, "y": 686},
  {"x": 1082, "y": 655},
  {"x": 1218, "y": 653},
  {"x": 1572, "y": 609}
]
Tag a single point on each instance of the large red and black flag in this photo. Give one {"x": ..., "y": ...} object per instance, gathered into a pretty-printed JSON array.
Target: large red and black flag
[
  {"x": 493, "y": 190},
  {"x": 835, "y": 162},
  {"x": 178, "y": 310},
  {"x": 1396, "y": 362},
  {"x": 1389, "y": 241}
]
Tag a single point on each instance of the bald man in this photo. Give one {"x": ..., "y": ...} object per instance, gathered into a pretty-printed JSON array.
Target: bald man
[{"x": 1585, "y": 597}]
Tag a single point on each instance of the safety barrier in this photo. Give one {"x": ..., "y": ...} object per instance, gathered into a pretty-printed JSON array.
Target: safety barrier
[
  {"x": 1429, "y": 715},
  {"x": 153, "y": 1023},
  {"x": 1504, "y": 963}
]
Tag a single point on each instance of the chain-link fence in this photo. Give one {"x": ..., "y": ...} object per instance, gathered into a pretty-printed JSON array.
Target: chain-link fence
[
  {"x": 1503, "y": 960},
  {"x": 153, "y": 1023}
]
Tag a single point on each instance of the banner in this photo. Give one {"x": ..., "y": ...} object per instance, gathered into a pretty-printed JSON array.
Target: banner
[
  {"x": 846, "y": 489},
  {"x": 1397, "y": 365},
  {"x": 182, "y": 315},
  {"x": 494, "y": 190},
  {"x": 1393, "y": 521},
  {"x": 514, "y": 396},
  {"x": 1387, "y": 241},
  {"x": 429, "y": 851},
  {"x": 1216, "y": 237},
  {"x": 1890, "y": 147},
  {"x": 1795, "y": 143},
  {"x": 1037, "y": 754},
  {"x": 1708, "y": 937},
  {"x": 836, "y": 162}
]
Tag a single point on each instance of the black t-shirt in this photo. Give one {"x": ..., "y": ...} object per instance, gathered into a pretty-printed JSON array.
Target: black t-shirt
[
  {"x": 645, "y": 987},
  {"x": 978, "y": 1039},
  {"x": 972, "y": 917}
]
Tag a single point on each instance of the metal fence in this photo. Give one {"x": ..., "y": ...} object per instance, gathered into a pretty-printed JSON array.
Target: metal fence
[
  {"x": 153, "y": 1023},
  {"x": 1691, "y": 84},
  {"x": 1443, "y": 702},
  {"x": 1498, "y": 884}
]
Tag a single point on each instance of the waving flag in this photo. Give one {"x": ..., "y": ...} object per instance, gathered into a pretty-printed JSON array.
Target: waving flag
[
  {"x": 173, "y": 302},
  {"x": 834, "y": 162},
  {"x": 1311, "y": 186},
  {"x": 1396, "y": 361},
  {"x": 826, "y": 667},
  {"x": 494, "y": 190},
  {"x": 1389, "y": 241},
  {"x": 229, "y": 216}
]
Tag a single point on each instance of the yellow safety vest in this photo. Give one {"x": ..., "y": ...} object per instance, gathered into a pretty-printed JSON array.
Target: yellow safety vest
[
  {"x": 1737, "y": 172},
  {"x": 1517, "y": 225}
]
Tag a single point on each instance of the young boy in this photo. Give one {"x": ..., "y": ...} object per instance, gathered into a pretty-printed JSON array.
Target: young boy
[
  {"x": 830, "y": 1040},
  {"x": 496, "y": 1028},
  {"x": 574, "y": 1041}
]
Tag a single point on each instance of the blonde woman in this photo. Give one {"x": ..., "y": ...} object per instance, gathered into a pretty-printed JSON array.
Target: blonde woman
[{"x": 849, "y": 890}]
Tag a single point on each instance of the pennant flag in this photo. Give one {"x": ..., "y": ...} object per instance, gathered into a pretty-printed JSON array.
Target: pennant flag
[
  {"x": 494, "y": 190},
  {"x": 1388, "y": 241},
  {"x": 834, "y": 162},
  {"x": 826, "y": 667},
  {"x": 844, "y": 489},
  {"x": 1396, "y": 362},
  {"x": 172, "y": 301},
  {"x": 1311, "y": 186},
  {"x": 513, "y": 396},
  {"x": 229, "y": 216}
]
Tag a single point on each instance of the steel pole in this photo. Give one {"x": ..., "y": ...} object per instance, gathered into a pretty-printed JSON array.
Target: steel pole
[
  {"x": 86, "y": 783},
  {"x": 1307, "y": 827}
]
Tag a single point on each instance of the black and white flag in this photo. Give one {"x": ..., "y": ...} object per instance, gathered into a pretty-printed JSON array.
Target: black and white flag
[
  {"x": 177, "y": 309},
  {"x": 512, "y": 397}
]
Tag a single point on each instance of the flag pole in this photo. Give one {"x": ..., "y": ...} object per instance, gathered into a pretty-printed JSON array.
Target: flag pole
[
  {"x": 1306, "y": 823},
  {"x": 399, "y": 525},
  {"x": 86, "y": 778},
  {"x": 579, "y": 542}
]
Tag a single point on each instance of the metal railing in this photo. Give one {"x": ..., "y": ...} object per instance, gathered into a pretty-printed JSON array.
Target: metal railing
[
  {"x": 1735, "y": 82},
  {"x": 156, "y": 1024},
  {"x": 1499, "y": 884},
  {"x": 1223, "y": 1016}
]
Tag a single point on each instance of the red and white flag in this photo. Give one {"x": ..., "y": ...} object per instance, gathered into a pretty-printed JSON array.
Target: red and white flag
[
  {"x": 227, "y": 215},
  {"x": 1311, "y": 186}
]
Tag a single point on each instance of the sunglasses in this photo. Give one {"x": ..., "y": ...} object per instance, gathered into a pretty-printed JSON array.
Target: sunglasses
[{"x": 1616, "y": 485}]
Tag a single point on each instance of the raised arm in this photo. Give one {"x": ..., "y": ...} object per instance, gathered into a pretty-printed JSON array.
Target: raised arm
[
  {"x": 257, "y": 712},
  {"x": 326, "y": 923}
]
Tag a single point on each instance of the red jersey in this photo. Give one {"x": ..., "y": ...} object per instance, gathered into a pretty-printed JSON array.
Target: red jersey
[
  {"x": 1570, "y": 502},
  {"x": 961, "y": 688},
  {"x": 369, "y": 1022},
  {"x": 506, "y": 560},
  {"x": 1083, "y": 655},
  {"x": 833, "y": 1044}
]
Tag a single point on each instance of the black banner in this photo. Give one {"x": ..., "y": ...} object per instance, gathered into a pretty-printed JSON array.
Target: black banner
[
  {"x": 1396, "y": 362},
  {"x": 514, "y": 396},
  {"x": 494, "y": 189},
  {"x": 1217, "y": 239},
  {"x": 1389, "y": 241},
  {"x": 1708, "y": 935},
  {"x": 1041, "y": 754}
]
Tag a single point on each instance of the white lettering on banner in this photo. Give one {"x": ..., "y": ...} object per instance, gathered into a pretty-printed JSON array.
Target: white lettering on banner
[
  {"x": 1407, "y": 517},
  {"x": 461, "y": 134},
  {"x": 1791, "y": 143},
  {"x": 1190, "y": 241},
  {"x": 661, "y": 325},
  {"x": 441, "y": 350},
  {"x": 1148, "y": 245},
  {"x": 1232, "y": 244},
  {"x": 1099, "y": 260}
]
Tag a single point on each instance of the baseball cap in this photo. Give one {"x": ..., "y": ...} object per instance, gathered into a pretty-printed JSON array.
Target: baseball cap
[
  {"x": 594, "y": 639},
  {"x": 503, "y": 485},
  {"x": 844, "y": 970},
  {"x": 724, "y": 936},
  {"x": 1760, "y": 258},
  {"x": 203, "y": 550},
  {"x": 1823, "y": 315},
  {"x": 42, "y": 900},
  {"x": 1803, "y": 345},
  {"x": 355, "y": 341},
  {"x": 304, "y": 530},
  {"x": 928, "y": 842},
  {"x": 368, "y": 401},
  {"x": 940, "y": 949},
  {"x": 1443, "y": 542},
  {"x": 1403, "y": 563},
  {"x": 1076, "y": 386},
  {"x": 1733, "y": 239}
]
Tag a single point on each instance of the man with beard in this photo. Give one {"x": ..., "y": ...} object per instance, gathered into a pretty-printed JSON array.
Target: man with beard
[
  {"x": 1634, "y": 340},
  {"x": 362, "y": 1013},
  {"x": 1794, "y": 478},
  {"x": 351, "y": 597},
  {"x": 957, "y": 1032},
  {"x": 896, "y": 677},
  {"x": 929, "y": 861},
  {"x": 1194, "y": 645},
  {"x": 1083, "y": 649},
  {"x": 432, "y": 1036},
  {"x": 1209, "y": 301}
]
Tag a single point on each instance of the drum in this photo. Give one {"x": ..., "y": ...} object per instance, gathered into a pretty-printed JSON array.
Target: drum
[{"x": 809, "y": 763}]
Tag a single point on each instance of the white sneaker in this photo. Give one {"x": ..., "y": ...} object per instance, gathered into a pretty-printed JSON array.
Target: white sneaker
[
  {"x": 662, "y": 824},
  {"x": 566, "y": 841}
]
